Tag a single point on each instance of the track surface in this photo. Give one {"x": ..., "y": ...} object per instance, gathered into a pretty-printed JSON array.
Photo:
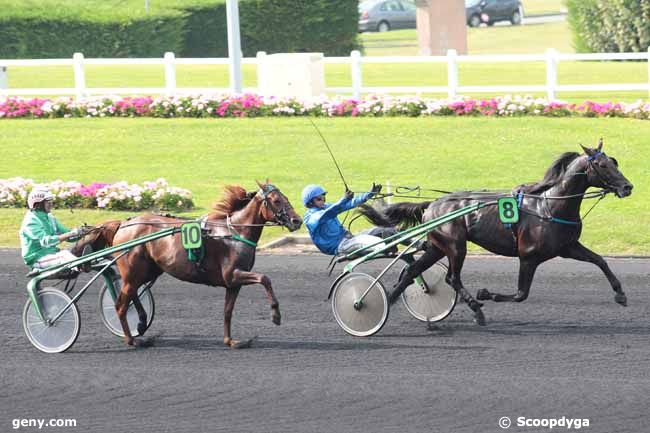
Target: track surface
[{"x": 569, "y": 351}]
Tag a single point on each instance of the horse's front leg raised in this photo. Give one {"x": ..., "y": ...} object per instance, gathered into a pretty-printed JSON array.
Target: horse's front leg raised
[
  {"x": 527, "y": 270},
  {"x": 579, "y": 252},
  {"x": 234, "y": 281},
  {"x": 244, "y": 278}
]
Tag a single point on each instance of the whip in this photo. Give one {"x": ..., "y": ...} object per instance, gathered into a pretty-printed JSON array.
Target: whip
[{"x": 331, "y": 154}]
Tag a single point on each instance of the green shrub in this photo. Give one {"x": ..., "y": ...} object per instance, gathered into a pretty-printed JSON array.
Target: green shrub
[
  {"x": 610, "y": 26},
  {"x": 190, "y": 28},
  {"x": 274, "y": 26},
  {"x": 51, "y": 28}
]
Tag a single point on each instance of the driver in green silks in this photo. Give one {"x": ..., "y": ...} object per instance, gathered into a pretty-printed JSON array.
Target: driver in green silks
[{"x": 41, "y": 232}]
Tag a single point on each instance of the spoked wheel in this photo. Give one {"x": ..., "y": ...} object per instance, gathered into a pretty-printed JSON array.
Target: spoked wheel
[
  {"x": 109, "y": 314},
  {"x": 429, "y": 298},
  {"x": 51, "y": 337},
  {"x": 359, "y": 317}
]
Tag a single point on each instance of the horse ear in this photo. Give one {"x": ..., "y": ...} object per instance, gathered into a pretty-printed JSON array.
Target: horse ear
[
  {"x": 600, "y": 144},
  {"x": 259, "y": 184},
  {"x": 588, "y": 151}
]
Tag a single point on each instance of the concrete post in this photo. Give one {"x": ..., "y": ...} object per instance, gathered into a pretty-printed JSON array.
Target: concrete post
[{"x": 441, "y": 26}]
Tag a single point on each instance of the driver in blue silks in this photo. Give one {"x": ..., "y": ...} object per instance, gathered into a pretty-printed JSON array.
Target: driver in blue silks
[{"x": 325, "y": 229}]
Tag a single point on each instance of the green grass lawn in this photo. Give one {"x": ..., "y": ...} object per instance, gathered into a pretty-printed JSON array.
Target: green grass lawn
[
  {"x": 444, "y": 153},
  {"x": 527, "y": 39},
  {"x": 537, "y": 7}
]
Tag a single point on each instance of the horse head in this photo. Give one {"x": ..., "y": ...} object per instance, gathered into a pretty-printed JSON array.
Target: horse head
[
  {"x": 602, "y": 171},
  {"x": 277, "y": 208},
  {"x": 98, "y": 237}
]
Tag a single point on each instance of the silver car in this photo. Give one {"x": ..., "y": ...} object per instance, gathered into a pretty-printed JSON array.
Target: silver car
[{"x": 385, "y": 15}]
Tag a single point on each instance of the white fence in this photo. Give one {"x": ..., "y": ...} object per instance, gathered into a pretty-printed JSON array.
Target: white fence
[{"x": 551, "y": 58}]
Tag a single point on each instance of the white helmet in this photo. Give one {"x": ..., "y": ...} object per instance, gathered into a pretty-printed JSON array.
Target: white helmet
[{"x": 38, "y": 195}]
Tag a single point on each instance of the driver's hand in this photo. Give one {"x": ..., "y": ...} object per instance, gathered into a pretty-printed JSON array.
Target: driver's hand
[
  {"x": 349, "y": 194},
  {"x": 376, "y": 188}
]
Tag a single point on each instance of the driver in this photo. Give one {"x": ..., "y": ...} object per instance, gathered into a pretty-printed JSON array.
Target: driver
[
  {"x": 325, "y": 229},
  {"x": 40, "y": 233}
]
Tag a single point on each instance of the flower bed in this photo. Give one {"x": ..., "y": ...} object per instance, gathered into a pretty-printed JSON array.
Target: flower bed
[
  {"x": 249, "y": 105},
  {"x": 117, "y": 196}
]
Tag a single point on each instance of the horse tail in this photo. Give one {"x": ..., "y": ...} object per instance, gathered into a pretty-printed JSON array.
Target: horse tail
[{"x": 403, "y": 214}]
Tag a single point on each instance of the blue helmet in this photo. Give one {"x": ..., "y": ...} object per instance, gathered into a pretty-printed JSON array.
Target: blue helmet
[{"x": 311, "y": 191}]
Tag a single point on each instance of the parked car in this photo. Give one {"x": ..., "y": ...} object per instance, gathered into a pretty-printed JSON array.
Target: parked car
[
  {"x": 492, "y": 11},
  {"x": 385, "y": 15}
]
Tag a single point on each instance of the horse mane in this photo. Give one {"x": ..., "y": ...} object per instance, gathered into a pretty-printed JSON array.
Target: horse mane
[
  {"x": 553, "y": 174},
  {"x": 234, "y": 198}
]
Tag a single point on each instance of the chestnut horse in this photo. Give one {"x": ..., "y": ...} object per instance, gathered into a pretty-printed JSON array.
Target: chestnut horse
[
  {"x": 549, "y": 225},
  {"x": 231, "y": 233}
]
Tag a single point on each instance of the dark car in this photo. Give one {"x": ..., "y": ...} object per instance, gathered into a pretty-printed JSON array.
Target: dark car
[
  {"x": 492, "y": 11},
  {"x": 384, "y": 15}
]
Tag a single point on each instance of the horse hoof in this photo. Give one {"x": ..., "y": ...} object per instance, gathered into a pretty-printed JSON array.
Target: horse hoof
[
  {"x": 235, "y": 344},
  {"x": 621, "y": 299},
  {"x": 483, "y": 295},
  {"x": 276, "y": 319},
  {"x": 479, "y": 318},
  {"x": 142, "y": 328}
]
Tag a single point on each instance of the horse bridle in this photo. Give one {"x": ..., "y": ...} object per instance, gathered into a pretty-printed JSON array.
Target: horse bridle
[
  {"x": 279, "y": 216},
  {"x": 593, "y": 167}
]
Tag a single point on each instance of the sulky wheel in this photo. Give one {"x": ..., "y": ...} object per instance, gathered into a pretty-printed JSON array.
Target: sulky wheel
[
  {"x": 51, "y": 337},
  {"x": 359, "y": 317},
  {"x": 429, "y": 298},
  {"x": 109, "y": 314}
]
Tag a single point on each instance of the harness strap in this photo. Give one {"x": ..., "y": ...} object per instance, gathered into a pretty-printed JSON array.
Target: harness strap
[
  {"x": 563, "y": 221},
  {"x": 595, "y": 155},
  {"x": 244, "y": 240}
]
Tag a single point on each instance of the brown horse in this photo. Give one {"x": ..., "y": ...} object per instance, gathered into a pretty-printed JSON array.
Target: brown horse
[
  {"x": 230, "y": 236},
  {"x": 549, "y": 225}
]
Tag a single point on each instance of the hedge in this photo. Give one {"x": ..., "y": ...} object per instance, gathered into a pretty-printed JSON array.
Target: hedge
[
  {"x": 610, "y": 26},
  {"x": 190, "y": 28}
]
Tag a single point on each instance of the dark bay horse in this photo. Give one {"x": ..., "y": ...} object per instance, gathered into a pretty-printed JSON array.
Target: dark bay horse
[
  {"x": 233, "y": 230},
  {"x": 549, "y": 225}
]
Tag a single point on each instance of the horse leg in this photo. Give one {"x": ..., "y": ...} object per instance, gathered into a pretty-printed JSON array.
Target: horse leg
[
  {"x": 142, "y": 315},
  {"x": 579, "y": 252},
  {"x": 228, "y": 307},
  {"x": 244, "y": 278},
  {"x": 527, "y": 270},
  {"x": 456, "y": 255},
  {"x": 122, "y": 307},
  {"x": 430, "y": 256}
]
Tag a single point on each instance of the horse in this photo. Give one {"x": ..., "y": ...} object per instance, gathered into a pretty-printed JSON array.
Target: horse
[
  {"x": 229, "y": 245},
  {"x": 549, "y": 226}
]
